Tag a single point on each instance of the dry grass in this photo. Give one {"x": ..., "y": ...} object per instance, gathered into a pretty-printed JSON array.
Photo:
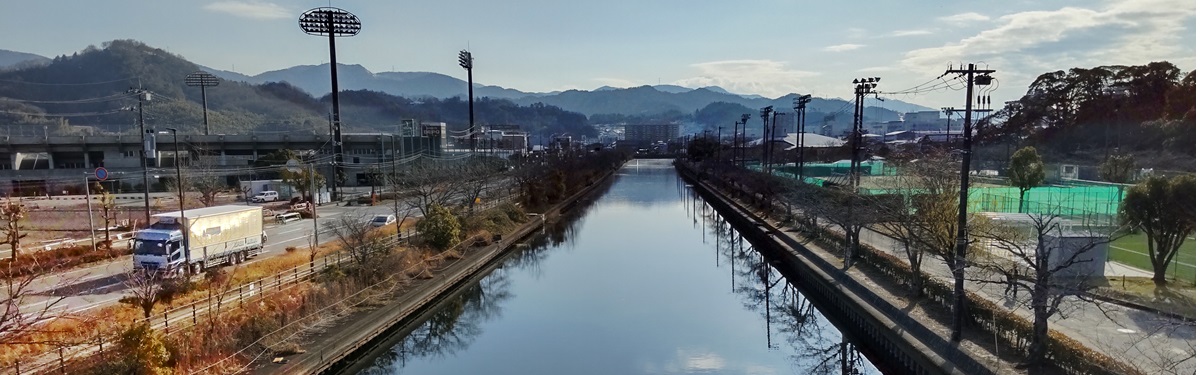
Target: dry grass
[
  {"x": 1178, "y": 297},
  {"x": 267, "y": 326}
]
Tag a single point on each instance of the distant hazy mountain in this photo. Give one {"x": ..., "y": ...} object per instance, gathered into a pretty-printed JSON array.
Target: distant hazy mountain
[
  {"x": 10, "y": 59},
  {"x": 314, "y": 79}
]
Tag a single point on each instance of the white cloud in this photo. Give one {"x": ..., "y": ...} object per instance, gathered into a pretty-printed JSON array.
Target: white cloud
[
  {"x": 1029, "y": 43},
  {"x": 843, "y": 47},
  {"x": 764, "y": 77},
  {"x": 877, "y": 69},
  {"x": 251, "y": 9},
  {"x": 900, "y": 33},
  {"x": 964, "y": 18}
]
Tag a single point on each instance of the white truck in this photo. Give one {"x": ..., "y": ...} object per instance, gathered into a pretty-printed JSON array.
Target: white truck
[{"x": 198, "y": 239}]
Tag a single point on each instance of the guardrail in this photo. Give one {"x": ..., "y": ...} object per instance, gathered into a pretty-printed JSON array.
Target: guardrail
[{"x": 189, "y": 315}]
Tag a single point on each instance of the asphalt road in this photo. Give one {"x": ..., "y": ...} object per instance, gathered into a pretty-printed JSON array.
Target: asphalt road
[{"x": 103, "y": 283}]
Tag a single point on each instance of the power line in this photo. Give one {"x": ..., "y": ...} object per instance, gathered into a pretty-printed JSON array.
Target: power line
[{"x": 68, "y": 84}]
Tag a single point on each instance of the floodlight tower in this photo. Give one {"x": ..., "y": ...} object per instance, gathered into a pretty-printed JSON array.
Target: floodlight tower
[
  {"x": 333, "y": 22},
  {"x": 202, "y": 79},
  {"x": 467, "y": 62}
]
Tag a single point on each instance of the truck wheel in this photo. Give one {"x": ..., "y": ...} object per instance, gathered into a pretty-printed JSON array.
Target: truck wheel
[{"x": 197, "y": 268}]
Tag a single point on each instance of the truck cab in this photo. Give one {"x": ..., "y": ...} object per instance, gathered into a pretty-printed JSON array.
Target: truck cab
[{"x": 159, "y": 248}]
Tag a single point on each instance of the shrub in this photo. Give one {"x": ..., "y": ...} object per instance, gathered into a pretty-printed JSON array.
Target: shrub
[
  {"x": 140, "y": 350},
  {"x": 440, "y": 228}
]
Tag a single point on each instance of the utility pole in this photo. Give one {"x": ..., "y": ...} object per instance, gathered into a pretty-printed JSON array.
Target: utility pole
[
  {"x": 862, "y": 87},
  {"x": 801, "y": 108},
  {"x": 148, "y": 147},
  {"x": 466, "y": 61},
  {"x": 771, "y": 148},
  {"x": 766, "y": 116},
  {"x": 719, "y": 144},
  {"x": 974, "y": 77},
  {"x": 742, "y": 148}
]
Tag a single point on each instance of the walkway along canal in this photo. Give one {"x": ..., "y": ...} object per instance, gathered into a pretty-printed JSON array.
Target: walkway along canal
[{"x": 647, "y": 279}]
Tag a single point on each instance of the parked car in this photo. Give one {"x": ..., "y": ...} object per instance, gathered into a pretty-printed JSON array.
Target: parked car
[
  {"x": 266, "y": 196},
  {"x": 382, "y": 220}
]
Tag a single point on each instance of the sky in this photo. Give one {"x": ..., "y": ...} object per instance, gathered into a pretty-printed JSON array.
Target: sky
[{"x": 764, "y": 47}]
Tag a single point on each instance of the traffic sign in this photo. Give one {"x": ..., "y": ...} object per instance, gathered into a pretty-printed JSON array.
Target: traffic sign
[
  {"x": 101, "y": 174},
  {"x": 293, "y": 166}
]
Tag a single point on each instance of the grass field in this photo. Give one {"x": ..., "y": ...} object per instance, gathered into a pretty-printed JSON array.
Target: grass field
[{"x": 1131, "y": 250}]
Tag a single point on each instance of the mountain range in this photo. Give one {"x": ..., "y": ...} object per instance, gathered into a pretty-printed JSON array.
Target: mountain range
[
  {"x": 297, "y": 98},
  {"x": 14, "y": 59},
  {"x": 641, "y": 100}
]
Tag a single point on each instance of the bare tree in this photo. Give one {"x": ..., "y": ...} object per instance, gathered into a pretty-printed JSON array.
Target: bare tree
[
  {"x": 202, "y": 177},
  {"x": 16, "y": 317},
  {"x": 108, "y": 205},
  {"x": 847, "y": 211},
  {"x": 900, "y": 221},
  {"x": 12, "y": 213},
  {"x": 921, "y": 212},
  {"x": 479, "y": 175},
  {"x": 360, "y": 240},
  {"x": 430, "y": 183},
  {"x": 1058, "y": 259},
  {"x": 145, "y": 289}
]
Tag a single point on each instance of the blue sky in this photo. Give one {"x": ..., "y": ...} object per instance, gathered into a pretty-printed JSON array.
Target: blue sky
[{"x": 766, "y": 47}]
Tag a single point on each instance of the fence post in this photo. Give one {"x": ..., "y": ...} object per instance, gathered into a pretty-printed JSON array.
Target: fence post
[
  {"x": 240, "y": 296},
  {"x": 62, "y": 367},
  {"x": 194, "y": 313},
  {"x": 278, "y": 284},
  {"x": 295, "y": 276},
  {"x": 166, "y": 323}
]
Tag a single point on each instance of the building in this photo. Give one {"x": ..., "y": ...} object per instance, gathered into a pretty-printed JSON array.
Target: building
[
  {"x": 32, "y": 165},
  {"x": 646, "y": 134}
]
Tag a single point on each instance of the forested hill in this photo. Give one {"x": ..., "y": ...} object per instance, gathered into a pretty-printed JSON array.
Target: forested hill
[
  {"x": 1125, "y": 109},
  {"x": 89, "y": 89}
]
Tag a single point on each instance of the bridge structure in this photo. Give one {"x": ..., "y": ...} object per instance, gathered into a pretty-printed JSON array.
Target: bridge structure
[{"x": 50, "y": 165}]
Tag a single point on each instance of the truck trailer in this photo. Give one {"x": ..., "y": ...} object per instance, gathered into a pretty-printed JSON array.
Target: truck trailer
[{"x": 199, "y": 239}]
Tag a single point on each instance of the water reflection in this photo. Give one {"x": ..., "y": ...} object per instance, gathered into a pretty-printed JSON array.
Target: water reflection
[
  {"x": 458, "y": 319},
  {"x": 627, "y": 285},
  {"x": 817, "y": 346}
]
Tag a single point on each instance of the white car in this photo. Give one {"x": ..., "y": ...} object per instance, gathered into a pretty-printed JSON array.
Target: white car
[
  {"x": 266, "y": 196},
  {"x": 383, "y": 220}
]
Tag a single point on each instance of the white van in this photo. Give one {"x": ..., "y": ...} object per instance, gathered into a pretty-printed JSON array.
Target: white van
[{"x": 266, "y": 196}]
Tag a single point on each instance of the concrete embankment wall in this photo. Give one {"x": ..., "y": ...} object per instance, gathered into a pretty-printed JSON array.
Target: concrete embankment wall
[
  {"x": 358, "y": 338},
  {"x": 894, "y": 341}
]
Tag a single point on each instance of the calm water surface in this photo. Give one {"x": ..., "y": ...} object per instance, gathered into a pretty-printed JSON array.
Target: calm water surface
[{"x": 640, "y": 282}]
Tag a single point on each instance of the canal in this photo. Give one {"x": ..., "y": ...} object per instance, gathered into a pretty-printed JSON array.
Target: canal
[{"x": 644, "y": 279}]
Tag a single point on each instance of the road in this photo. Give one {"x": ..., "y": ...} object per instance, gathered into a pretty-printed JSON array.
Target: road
[{"x": 102, "y": 283}]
